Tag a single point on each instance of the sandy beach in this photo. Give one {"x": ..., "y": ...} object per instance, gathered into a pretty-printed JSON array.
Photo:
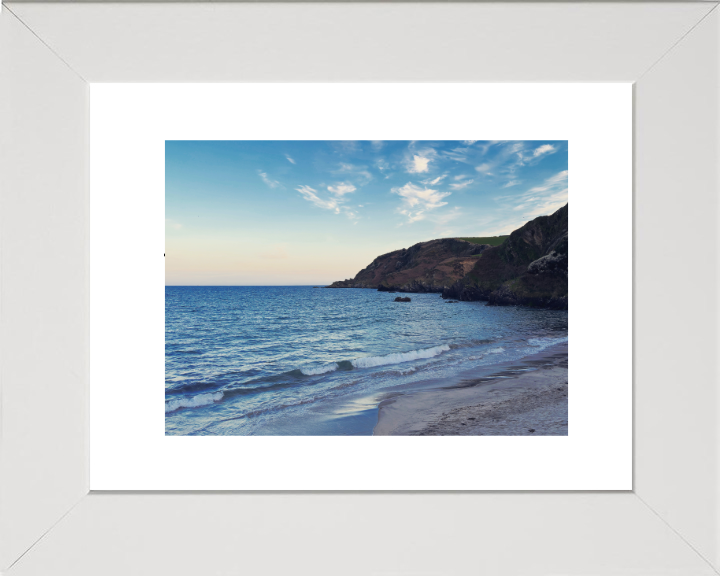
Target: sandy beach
[{"x": 527, "y": 397}]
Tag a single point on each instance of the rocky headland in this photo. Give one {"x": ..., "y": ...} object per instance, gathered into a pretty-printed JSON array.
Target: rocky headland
[
  {"x": 425, "y": 267},
  {"x": 530, "y": 268}
]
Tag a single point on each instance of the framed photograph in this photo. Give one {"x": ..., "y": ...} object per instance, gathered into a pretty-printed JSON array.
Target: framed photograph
[
  {"x": 346, "y": 370},
  {"x": 267, "y": 277}
]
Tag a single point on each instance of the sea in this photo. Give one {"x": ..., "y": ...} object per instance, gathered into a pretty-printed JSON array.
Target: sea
[{"x": 305, "y": 360}]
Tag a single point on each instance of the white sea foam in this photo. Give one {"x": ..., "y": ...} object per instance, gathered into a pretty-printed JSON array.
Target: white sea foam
[
  {"x": 499, "y": 350},
  {"x": 194, "y": 402},
  {"x": 319, "y": 370},
  {"x": 399, "y": 357},
  {"x": 546, "y": 342}
]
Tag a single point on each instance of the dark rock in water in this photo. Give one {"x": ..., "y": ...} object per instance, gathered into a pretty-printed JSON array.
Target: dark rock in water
[
  {"x": 451, "y": 302},
  {"x": 401, "y": 299},
  {"x": 531, "y": 430}
]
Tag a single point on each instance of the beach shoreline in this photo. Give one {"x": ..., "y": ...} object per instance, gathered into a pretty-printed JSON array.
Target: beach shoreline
[{"x": 528, "y": 397}]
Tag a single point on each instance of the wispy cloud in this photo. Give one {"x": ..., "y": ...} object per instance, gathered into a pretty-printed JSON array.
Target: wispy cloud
[
  {"x": 484, "y": 168},
  {"x": 469, "y": 142},
  {"x": 461, "y": 181},
  {"x": 461, "y": 185},
  {"x": 290, "y": 159},
  {"x": 311, "y": 195},
  {"x": 434, "y": 181},
  {"x": 457, "y": 154},
  {"x": 540, "y": 200},
  {"x": 510, "y": 183},
  {"x": 172, "y": 224},
  {"x": 416, "y": 201},
  {"x": 334, "y": 201},
  {"x": 544, "y": 149},
  {"x": 359, "y": 173},
  {"x": 546, "y": 205},
  {"x": 346, "y": 146},
  {"x": 269, "y": 181},
  {"x": 552, "y": 182}
]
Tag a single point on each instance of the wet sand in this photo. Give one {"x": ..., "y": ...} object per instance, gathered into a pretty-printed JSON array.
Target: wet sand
[{"x": 524, "y": 398}]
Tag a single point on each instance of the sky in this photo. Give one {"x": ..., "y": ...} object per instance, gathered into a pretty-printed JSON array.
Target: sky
[{"x": 287, "y": 213}]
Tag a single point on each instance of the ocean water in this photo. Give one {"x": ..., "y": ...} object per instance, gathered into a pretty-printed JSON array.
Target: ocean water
[{"x": 312, "y": 361}]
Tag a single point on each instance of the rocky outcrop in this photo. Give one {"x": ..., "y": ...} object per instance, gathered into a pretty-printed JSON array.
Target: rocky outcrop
[
  {"x": 425, "y": 267},
  {"x": 530, "y": 268},
  {"x": 401, "y": 299}
]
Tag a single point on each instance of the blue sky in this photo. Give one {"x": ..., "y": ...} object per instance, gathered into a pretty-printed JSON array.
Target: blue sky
[{"x": 311, "y": 212}]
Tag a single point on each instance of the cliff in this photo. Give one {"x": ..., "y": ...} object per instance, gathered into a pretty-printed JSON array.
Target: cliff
[
  {"x": 425, "y": 267},
  {"x": 530, "y": 268}
]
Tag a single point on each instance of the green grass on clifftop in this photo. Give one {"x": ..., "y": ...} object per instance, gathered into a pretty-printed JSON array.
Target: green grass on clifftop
[{"x": 492, "y": 240}]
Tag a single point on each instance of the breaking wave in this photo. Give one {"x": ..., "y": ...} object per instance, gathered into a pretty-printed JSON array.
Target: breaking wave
[
  {"x": 319, "y": 370},
  {"x": 193, "y": 402},
  {"x": 399, "y": 357}
]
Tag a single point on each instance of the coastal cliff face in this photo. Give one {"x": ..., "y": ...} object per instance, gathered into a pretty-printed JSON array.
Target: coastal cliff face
[
  {"x": 530, "y": 268},
  {"x": 425, "y": 267}
]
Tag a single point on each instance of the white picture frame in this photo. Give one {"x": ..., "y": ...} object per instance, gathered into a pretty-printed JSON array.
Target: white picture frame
[{"x": 50, "y": 523}]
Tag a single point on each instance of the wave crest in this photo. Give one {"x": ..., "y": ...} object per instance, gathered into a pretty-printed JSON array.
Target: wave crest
[
  {"x": 397, "y": 358},
  {"x": 319, "y": 370},
  {"x": 194, "y": 402}
]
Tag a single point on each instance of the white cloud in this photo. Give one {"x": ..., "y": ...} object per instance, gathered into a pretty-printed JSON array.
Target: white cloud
[
  {"x": 544, "y": 149},
  {"x": 334, "y": 202},
  {"x": 461, "y": 185},
  {"x": 553, "y": 181},
  {"x": 417, "y": 201},
  {"x": 418, "y": 164},
  {"x": 270, "y": 182},
  {"x": 290, "y": 159},
  {"x": 341, "y": 188},
  {"x": 484, "y": 169},
  {"x": 311, "y": 195},
  {"x": 511, "y": 183},
  {"x": 434, "y": 181},
  {"x": 469, "y": 142}
]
